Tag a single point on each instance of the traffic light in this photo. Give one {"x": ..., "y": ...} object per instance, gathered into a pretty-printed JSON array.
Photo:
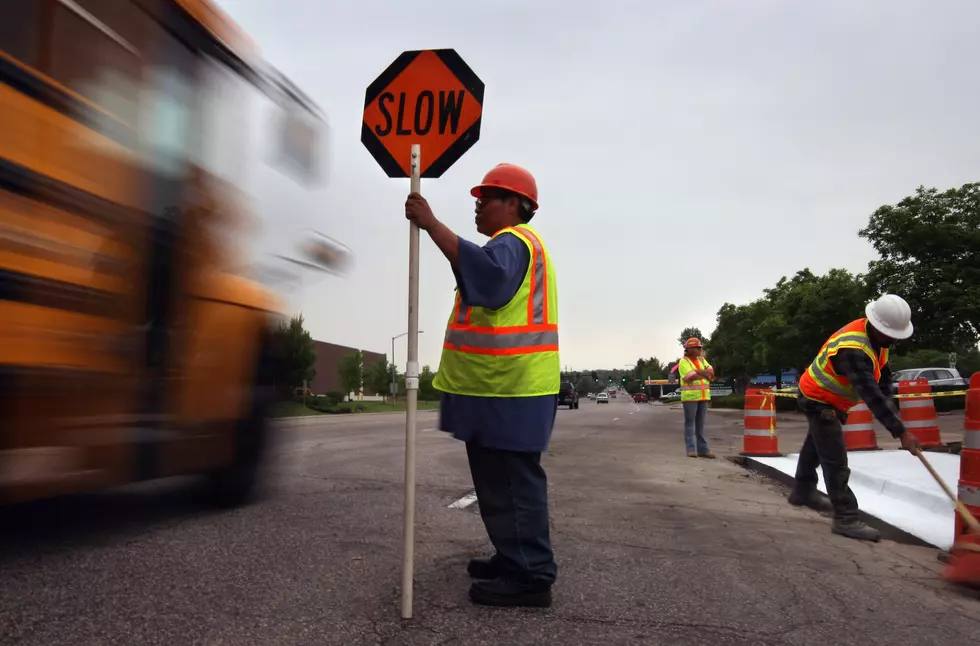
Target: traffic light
[
  {"x": 595, "y": 376},
  {"x": 624, "y": 380}
]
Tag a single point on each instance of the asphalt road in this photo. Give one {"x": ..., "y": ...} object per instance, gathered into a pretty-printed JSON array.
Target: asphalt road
[{"x": 653, "y": 548}]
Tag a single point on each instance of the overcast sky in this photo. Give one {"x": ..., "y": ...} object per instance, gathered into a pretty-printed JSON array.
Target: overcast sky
[{"x": 687, "y": 153}]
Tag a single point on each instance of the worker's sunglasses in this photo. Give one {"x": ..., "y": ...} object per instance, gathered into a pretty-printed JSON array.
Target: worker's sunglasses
[{"x": 487, "y": 196}]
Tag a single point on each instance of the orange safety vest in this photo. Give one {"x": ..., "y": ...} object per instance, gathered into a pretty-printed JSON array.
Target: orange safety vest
[{"x": 821, "y": 382}]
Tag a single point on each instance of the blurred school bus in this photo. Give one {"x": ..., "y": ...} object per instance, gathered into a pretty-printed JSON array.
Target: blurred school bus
[{"x": 131, "y": 345}]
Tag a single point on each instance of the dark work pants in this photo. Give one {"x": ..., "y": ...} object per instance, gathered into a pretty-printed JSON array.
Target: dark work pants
[
  {"x": 512, "y": 492},
  {"x": 824, "y": 447}
]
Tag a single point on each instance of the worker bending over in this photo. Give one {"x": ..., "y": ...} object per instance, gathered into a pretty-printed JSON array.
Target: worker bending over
[{"x": 852, "y": 366}]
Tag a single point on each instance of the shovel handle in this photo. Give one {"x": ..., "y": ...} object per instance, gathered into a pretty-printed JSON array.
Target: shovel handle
[{"x": 968, "y": 518}]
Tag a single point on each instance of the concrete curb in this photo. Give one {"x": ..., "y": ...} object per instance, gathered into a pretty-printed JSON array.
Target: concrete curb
[{"x": 888, "y": 531}]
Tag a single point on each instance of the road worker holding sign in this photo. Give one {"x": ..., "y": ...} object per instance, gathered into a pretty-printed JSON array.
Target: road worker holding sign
[{"x": 500, "y": 376}]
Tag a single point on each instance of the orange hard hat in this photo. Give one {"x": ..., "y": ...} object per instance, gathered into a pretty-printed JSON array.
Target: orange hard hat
[
  {"x": 510, "y": 177},
  {"x": 693, "y": 342}
]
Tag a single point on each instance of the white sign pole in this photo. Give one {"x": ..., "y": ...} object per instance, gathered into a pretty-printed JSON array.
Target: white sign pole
[{"x": 411, "y": 396}]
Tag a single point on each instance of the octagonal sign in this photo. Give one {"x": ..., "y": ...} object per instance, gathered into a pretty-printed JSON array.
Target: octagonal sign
[{"x": 428, "y": 97}]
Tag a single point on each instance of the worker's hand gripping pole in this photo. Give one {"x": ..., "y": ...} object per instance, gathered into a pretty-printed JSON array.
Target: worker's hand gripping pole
[{"x": 412, "y": 395}]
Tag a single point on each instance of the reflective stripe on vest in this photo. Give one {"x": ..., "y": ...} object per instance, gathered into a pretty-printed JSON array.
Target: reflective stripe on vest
[
  {"x": 511, "y": 351},
  {"x": 820, "y": 382},
  {"x": 536, "y": 336}
]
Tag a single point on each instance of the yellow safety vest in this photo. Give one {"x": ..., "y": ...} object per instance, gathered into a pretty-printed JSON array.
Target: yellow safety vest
[
  {"x": 513, "y": 351},
  {"x": 696, "y": 390}
]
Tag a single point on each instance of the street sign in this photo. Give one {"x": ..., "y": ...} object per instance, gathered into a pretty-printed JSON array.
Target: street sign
[
  {"x": 420, "y": 116},
  {"x": 430, "y": 98}
]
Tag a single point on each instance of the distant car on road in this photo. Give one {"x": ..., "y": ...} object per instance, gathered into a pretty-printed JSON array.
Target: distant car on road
[
  {"x": 672, "y": 396},
  {"x": 640, "y": 398},
  {"x": 602, "y": 398},
  {"x": 567, "y": 395},
  {"x": 935, "y": 376}
]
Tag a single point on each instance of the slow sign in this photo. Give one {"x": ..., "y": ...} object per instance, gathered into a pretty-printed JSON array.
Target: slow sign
[
  {"x": 420, "y": 116},
  {"x": 430, "y": 98}
]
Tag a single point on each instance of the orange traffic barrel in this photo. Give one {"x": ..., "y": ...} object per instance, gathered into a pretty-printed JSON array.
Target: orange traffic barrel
[
  {"x": 859, "y": 429},
  {"x": 969, "y": 484},
  {"x": 919, "y": 413},
  {"x": 759, "y": 438}
]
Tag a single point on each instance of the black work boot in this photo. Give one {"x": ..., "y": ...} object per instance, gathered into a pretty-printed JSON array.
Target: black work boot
[
  {"x": 483, "y": 568},
  {"x": 505, "y": 593},
  {"x": 854, "y": 528},
  {"x": 810, "y": 498}
]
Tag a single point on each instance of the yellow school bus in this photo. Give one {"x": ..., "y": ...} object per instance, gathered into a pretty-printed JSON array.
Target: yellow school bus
[{"x": 132, "y": 346}]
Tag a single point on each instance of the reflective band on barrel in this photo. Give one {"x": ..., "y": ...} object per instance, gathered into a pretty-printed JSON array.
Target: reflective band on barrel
[
  {"x": 916, "y": 403},
  {"x": 922, "y": 423},
  {"x": 971, "y": 440},
  {"x": 501, "y": 341},
  {"x": 755, "y": 432},
  {"x": 969, "y": 495},
  {"x": 857, "y": 427},
  {"x": 759, "y": 413}
]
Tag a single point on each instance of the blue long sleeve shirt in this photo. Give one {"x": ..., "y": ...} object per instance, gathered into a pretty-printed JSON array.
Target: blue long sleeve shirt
[{"x": 489, "y": 277}]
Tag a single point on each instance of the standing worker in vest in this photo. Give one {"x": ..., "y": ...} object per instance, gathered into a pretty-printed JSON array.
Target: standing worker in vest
[
  {"x": 852, "y": 366},
  {"x": 696, "y": 375},
  {"x": 500, "y": 376}
]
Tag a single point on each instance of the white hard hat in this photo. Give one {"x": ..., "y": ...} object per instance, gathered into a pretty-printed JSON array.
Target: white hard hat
[{"x": 891, "y": 316}]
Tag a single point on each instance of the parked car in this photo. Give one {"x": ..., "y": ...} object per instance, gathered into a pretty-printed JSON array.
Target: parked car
[
  {"x": 672, "y": 396},
  {"x": 640, "y": 398},
  {"x": 602, "y": 398},
  {"x": 567, "y": 395},
  {"x": 935, "y": 376}
]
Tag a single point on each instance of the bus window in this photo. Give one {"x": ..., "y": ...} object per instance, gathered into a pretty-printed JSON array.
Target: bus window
[
  {"x": 91, "y": 57},
  {"x": 19, "y": 30}
]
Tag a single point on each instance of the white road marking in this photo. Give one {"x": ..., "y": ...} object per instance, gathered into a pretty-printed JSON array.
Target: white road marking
[
  {"x": 464, "y": 502},
  {"x": 615, "y": 419}
]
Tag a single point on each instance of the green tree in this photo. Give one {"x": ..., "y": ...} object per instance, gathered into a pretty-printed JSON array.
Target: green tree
[
  {"x": 688, "y": 333},
  {"x": 929, "y": 244},
  {"x": 377, "y": 376},
  {"x": 295, "y": 353},
  {"x": 802, "y": 312},
  {"x": 651, "y": 368},
  {"x": 968, "y": 362},
  {"x": 351, "y": 372},
  {"x": 922, "y": 358},
  {"x": 733, "y": 345},
  {"x": 427, "y": 392},
  {"x": 583, "y": 385}
]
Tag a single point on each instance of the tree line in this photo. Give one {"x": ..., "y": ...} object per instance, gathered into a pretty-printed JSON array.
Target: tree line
[
  {"x": 295, "y": 366},
  {"x": 929, "y": 253}
]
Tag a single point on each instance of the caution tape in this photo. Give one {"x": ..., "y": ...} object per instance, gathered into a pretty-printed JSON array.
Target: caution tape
[{"x": 793, "y": 393}]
